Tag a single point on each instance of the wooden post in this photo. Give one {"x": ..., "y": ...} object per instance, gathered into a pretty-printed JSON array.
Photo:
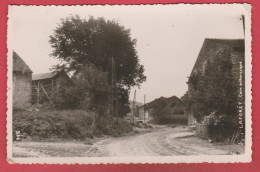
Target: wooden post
[
  {"x": 46, "y": 93},
  {"x": 38, "y": 93},
  {"x": 144, "y": 108},
  {"x": 133, "y": 108},
  {"x": 112, "y": 80},
  {"x": 52, "y": 91},
  {"x": 52, "y": 95},
  {"x": 117, "y": 107}
]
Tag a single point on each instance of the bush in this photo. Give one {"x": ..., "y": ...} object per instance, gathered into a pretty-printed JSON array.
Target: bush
[
  {"x": 173, "y": 119},
  {"x": 219, "y": 127},
  {"x": 65, "y": 124},
  {"x": 69, "y": 124},
  {"x": 109, "y": 126},
  {"x": 67, "y": 98}
]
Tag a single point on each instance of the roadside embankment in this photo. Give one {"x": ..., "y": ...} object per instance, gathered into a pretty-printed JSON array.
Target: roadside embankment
[{"x": 65, "y": 125}]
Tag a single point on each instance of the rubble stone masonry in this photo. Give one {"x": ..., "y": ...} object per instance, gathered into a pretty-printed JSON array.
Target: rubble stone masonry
[{"x": 22, "y": 90}]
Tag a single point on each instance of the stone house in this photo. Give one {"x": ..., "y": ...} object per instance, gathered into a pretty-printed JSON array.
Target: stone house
[
  {"x": 45, "y": 85},
  {"x": 22, "y": 77},
  {"x": 211, "y": 49}
]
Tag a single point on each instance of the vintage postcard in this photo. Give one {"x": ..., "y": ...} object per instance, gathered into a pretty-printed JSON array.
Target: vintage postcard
[{"x": 96, "y": 84}]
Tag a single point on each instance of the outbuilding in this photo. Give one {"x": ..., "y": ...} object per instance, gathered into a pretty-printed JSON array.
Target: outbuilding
[
  {"x": 45, "y": 85},
  {"x": 22, "y": 77}
]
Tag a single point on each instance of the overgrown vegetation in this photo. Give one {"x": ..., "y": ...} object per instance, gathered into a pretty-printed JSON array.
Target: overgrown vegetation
[
  {"x": 67, "y": 97},
  {"x": 65, "y": 124},
  {"x": 172, "y": 119},
  {"x": 215, "y": 92}
]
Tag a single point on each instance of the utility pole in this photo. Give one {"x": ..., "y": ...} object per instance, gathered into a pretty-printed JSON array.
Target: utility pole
[
  {"x": 114, "y": 91},
  {"x": 144, "y": 108},
  {"x": 112, "y": 83},
  {"x": 116, "y": 105},
  {"x": 133, "y": 108}
]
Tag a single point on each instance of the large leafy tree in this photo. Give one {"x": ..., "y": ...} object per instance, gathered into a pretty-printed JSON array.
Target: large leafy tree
[{"x": 77, "y": 42}]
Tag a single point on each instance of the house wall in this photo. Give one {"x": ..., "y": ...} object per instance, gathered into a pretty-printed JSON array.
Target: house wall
[
  {"x": 208, "y": 52},
  {"x": 22, "y": 90},
  {"x": 147, "y": 114},
  {"x": 191, "y": 119}
]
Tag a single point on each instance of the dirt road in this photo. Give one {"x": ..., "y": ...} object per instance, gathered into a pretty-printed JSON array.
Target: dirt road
[{"x": 162, "y": 141}]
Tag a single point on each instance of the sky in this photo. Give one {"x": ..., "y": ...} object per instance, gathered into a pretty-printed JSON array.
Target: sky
[{"x": 169, "y": 37}]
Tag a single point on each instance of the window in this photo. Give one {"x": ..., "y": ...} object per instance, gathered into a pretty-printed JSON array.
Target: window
[{"x": 204, "y": 67}]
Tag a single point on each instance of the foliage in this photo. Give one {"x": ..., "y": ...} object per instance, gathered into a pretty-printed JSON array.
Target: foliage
[
  {"x": 186, "y": 101},
  {"x": 178, "y": 108},
  {"x": 77, "y": 41},
  {"x": 219, "y": 127},
  {"x": 110, "y": 126},
  {"x": 171, "y": 119},
  {"x": 94, "y": 87},
  {"x": 214, "y": 91},
  {"x": 64, "y": 124},
  {"x": 67, "y": 97},
  {"x": 167, "y": 107},
  {"x": 67, "y": 124}
]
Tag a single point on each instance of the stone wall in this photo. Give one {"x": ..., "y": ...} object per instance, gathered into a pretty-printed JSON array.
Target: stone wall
[
  {"x": 213, "y": 49},
  {"x": 22, "y": 90}
]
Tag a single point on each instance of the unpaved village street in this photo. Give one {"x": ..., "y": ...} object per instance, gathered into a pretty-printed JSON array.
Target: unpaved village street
[{"x": 160, "y": 141}]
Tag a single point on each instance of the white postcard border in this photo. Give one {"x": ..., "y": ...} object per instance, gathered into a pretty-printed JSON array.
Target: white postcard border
[{"x": 246, "y": 157}]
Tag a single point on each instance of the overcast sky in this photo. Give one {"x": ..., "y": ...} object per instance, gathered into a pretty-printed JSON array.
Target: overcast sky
[{"x": 169, "y": 37}]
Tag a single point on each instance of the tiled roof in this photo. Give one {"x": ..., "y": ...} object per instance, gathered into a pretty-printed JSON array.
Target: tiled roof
[{"x": 41, "y": 76}]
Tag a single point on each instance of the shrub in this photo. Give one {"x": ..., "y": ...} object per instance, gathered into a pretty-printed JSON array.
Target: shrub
[
  {"x": 65, "y": 124},
  {"x": 67, "y": 98},
  {"x": 69, "y": 124},
  {"x": 109, "y": 126},
  {"x": 219, "y": 127},
  {"x": 173, "y": 119}
]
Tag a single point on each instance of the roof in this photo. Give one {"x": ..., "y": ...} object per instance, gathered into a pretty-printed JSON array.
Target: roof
[
  {"x": 42, "y": 76},
  {"x": 149, "y": 105},
  {"x": 211, "y": 46},
  {"x": 19, "y": 65}
]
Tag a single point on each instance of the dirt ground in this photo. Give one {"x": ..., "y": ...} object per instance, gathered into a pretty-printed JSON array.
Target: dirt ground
[{"x": 160, "y": 141}]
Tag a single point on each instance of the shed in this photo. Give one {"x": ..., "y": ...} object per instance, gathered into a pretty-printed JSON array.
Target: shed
[
  {"x": 167, "y": 105},
  {"x": 22, "y": 77},
  {"x": 45, "y": 85}
]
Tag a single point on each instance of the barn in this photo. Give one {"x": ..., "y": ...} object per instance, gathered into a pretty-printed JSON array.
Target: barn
[
  {"x": 22, "y": 77},
  {"x": 45, "y": 85}
]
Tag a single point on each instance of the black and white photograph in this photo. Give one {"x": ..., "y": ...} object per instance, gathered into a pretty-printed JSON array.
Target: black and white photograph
[{"x": 158, "y": 83}]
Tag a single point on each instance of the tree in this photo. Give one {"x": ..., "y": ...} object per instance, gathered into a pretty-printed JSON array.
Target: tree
[
  {"x": 77, "y": 41},
  {"x": 95, "y": 91},
  {"x": 93, "y": 85}
]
